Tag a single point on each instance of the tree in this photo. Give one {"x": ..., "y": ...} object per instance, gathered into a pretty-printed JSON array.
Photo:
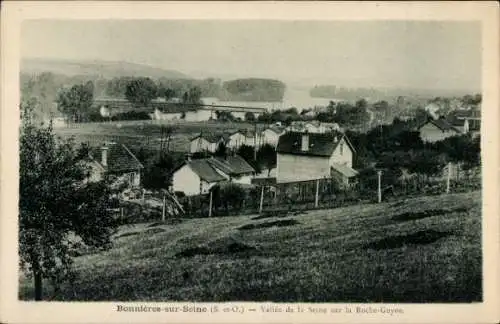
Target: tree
[
  {"x": 157, "y": 173},
  {"x": 362, "y": 103},
  {"x": 141, "y": 91},
  {"x": 221, "y": 150},
  {"x": 56, "y": 203},
  {"x": 266, "y": 157},
  {"x": 76, "y": 101},
  {"x": 229, "y": 195},
  {"x": 249, "y": 116}
]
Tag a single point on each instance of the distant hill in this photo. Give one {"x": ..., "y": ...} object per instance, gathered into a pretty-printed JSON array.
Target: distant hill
[{"x": 102, "y": 69}]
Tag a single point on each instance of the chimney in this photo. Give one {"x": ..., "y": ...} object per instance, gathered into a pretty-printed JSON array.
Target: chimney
[
  {"x": 305, "y": 142},
  {"x": 104, "y": 155}
]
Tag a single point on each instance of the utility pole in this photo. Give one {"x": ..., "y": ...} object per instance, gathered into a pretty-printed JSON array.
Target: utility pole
[
  {"x": 316, "y": 200},
  {"x": 379, "y": 173},
  {"x": 448, "y": 178},
  {"x": 163, "y": 209},
  {"x": 261, "y": 200},
  {"x": 210, "y": 205},
  {"x": 255, "y": 141}
]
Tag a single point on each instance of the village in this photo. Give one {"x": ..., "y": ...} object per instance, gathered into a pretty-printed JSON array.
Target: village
[
  {"x": 290, "y": 153},
  {"x": 259, "y": 167}
]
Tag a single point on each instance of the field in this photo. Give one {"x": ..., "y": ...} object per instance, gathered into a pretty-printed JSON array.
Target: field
[
  {"x": 425, "y": 249},
  {"x": 148, "y": 133}
]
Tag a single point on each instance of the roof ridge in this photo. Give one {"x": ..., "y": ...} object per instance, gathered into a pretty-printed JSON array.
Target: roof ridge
[{"x": 132, "y": 154}]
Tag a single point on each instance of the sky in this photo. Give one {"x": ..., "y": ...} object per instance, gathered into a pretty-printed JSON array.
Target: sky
[{"x": 410, "y": 54}]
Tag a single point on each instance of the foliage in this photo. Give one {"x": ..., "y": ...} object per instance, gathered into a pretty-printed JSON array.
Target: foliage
[
  {"x": 157, "y": 172},
  {"x": 192, "y": 96},
  {"x": 266, "y": 157},
  {"x": 56, "y": 203},
  {"x": 461, "y": 148},
  {"x": 76, "y": 101},
  {"x": 229, "y": 195},
  {"x": 253, "y": 89},
  {"x": 221, "y": 150},
  {"x": 141, "y": 91},
  {"x": 249, "y": 116},
  {"x": 117, "y": 87},
  {"x": 223, "y": 115}
]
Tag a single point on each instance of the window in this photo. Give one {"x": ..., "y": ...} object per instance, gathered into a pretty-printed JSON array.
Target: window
[{"x": 341, "y": 148}]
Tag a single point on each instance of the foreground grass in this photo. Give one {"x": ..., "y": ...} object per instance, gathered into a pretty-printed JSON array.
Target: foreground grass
[{"x": 424, "y": 249}]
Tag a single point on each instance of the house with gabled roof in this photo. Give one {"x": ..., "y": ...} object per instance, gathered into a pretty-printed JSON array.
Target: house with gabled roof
[
  {"x": 115, "y": 162},
  {"x": 206, "y": 142},
  {"x": 236, "y": 139},
  {"x": 271, "y": 135},
  {"x": 435, "y": 130},
  {"x": 198, "y": 176},
  {"x": 308, "y": 156},
  {"x": 468, "y": 121}
]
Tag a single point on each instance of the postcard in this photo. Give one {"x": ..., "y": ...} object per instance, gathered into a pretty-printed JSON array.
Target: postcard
[{"x": 225, "y": 162}]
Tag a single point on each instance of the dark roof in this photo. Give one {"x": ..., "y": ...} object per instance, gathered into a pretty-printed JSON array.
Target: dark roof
[
  {"x": 205, "y": 171},
  {"x": 232, "y": 165},
  {"x": 319, "y": 144},
  {"x": 442, "y": 124},
  {"x": 210, "y": 137},
  {"x": 457, "y": 118},
  {"x": 345, "y": 170},
  {"x": 206, "y": 168},
  {"x": 119, "y": 158}
]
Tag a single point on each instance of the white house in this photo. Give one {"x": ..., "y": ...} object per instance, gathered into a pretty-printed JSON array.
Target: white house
[
  {"x": 313, "y": 126},
  {"x": 236, "y": 139},
  {"x": 159, "y": 115},
  {"x": 305, "y": 156},
  {"x": 271, "y": 135},
  {"x": 199, "y": 115},
  {"x": 198, "y": 176},
  {"x": 205, "y": 143},
  {"x": 437, "y": 130}
]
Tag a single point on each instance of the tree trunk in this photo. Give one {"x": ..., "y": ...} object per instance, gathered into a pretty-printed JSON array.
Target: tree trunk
[{"x": 38, "y": 285}]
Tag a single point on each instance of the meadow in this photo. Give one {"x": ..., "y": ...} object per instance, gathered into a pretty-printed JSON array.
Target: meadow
[
  {"x": 423, "y": 249},
  {"x": 148, "y": 133}
]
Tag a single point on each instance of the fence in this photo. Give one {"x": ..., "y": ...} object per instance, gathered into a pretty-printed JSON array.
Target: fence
[{"x": 323, "y": 193}]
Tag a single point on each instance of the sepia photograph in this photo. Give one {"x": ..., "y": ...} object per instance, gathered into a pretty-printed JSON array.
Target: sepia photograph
[{"x": 251, "y": 160}]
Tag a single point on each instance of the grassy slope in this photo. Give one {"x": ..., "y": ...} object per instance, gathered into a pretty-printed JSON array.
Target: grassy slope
[{"x": 326, "y": 256}]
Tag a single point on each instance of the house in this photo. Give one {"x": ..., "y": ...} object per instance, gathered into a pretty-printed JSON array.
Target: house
[
  {"x": 271, "y": 135},
  {"x": 115, "y": 162},
  {"x": 236, "y": 139},
  {"x": 437, "y": 130},
  {"x": 205, "y": 143},
  {"x": 305, "y": 156},
  {"x": 313, "y": 127},
  {"x": 198, "y": 176},
  {"x": 468, "y": 121},
  {"x": 199, "y": 115}
]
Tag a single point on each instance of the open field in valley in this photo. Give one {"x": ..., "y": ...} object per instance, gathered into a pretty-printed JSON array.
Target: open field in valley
[
  {"x": 148, "y": 133},
  {"x": 424, "y": 249}
]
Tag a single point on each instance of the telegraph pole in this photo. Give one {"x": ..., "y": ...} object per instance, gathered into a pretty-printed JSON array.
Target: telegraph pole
[
  {"x": 255, "y": 141},
  {"x": 448, "y": 178},
  {"x": 379, "y": 173}
]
